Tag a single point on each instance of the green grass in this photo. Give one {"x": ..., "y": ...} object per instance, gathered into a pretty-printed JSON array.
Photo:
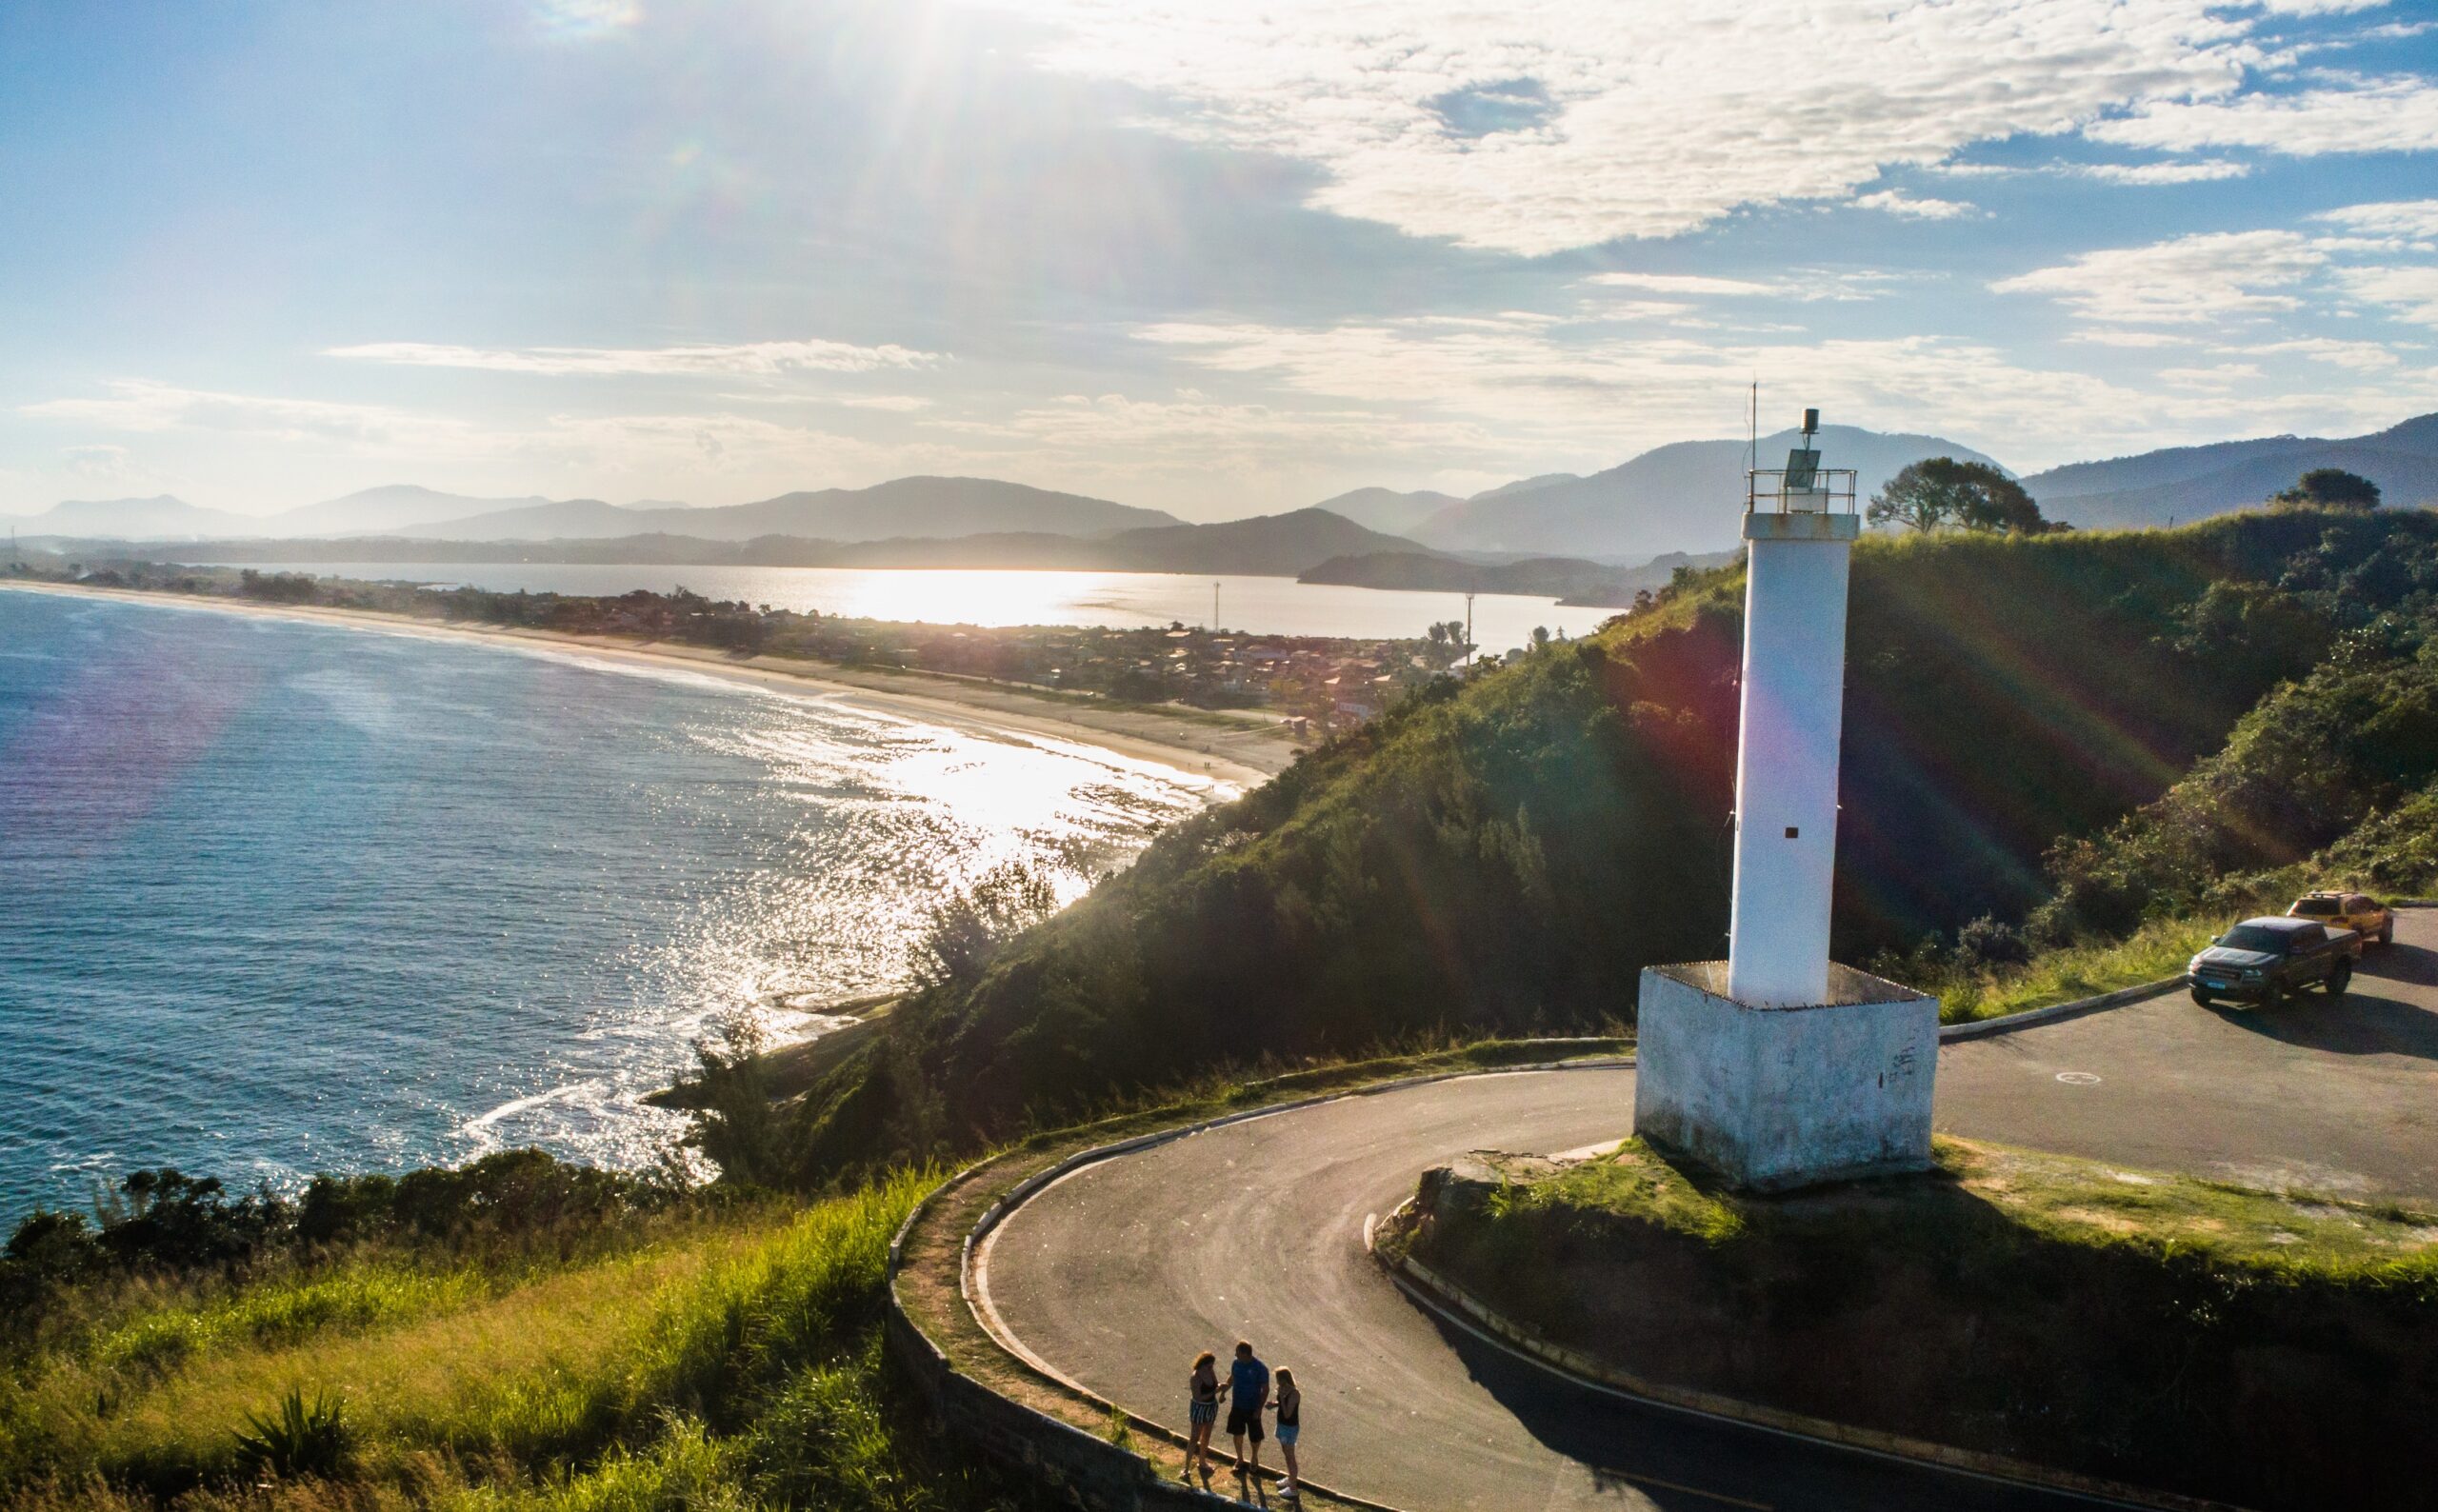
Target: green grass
[
  {"x": 288, "y": 1310},
  {"x": 734, "y": 1361},
  {"x": 2069, "y": 973},
  {"x": 2055, "y": 1196},
  {"x": 2093, "y": 1201}
]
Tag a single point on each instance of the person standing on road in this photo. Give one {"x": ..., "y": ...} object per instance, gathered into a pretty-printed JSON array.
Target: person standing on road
[
  {"x": 1249, "y": 1380},
  {"x": 1202, "y": 1392},
  {"x": 1290, "y": 1408}
]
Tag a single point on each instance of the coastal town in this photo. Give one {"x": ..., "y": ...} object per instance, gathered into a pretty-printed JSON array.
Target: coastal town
[{"x": 1318, "y": 684}]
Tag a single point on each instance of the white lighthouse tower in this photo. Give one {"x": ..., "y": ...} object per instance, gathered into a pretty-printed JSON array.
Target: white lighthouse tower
[{"x": 1778, "y": 1067}]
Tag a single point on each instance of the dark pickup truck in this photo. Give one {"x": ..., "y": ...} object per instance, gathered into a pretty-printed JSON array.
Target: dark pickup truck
[{"x": 2266, "y": 961}]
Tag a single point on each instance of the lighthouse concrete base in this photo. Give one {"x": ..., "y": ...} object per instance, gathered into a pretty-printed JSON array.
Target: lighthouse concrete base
[{"x": 1772, "y": 1097}]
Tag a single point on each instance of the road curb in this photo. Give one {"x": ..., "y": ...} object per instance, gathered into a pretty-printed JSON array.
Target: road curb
[
  {"x": 1452, "y": 1302},
  {"x": 2033, "y": 1018}
]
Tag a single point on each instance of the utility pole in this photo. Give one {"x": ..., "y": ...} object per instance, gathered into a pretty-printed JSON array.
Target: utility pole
[
  {"x": 1468, "y": 627},
  {"x": 1214, "y": 609}
]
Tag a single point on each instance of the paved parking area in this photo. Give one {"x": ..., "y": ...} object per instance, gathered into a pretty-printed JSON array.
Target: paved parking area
[{"x": 2334, "y": 1096}]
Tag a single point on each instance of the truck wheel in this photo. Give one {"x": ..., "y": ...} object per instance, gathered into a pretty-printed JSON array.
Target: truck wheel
[
  {"x": 2340, "y": 979},
  {"x": 2388, "y": 933},
  {"x": 2204, "y": 999}
]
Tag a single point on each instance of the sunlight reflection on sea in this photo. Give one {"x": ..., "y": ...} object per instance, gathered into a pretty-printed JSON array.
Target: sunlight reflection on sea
[{"x": 280, "y": 897}]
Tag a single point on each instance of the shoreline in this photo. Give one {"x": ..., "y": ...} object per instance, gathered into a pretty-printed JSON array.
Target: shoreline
[{"x": 1232, "y": 755}]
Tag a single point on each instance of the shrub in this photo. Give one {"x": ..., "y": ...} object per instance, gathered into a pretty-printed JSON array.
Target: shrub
[
  {"x": 301, "y": 1439},
  {"x": 1987, "y": 943}
]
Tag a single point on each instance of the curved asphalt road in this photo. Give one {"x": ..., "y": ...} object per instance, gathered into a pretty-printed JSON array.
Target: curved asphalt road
[{"x": 1118, "y": 1273}]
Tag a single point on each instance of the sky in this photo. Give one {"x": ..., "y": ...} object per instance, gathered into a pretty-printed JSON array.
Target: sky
[{"x": 1216, "y": 258}]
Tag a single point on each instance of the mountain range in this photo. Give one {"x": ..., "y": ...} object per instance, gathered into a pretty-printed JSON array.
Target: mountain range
[
  {"x": 1683, "y": 497},
  {"x": 2186, "y": 483},
  {"x": 1687, "y": 496},
  {"x": 903, "y": 507},
  {"x": 1387, "y": 509},
  {"x": 1265, "y": 546}
]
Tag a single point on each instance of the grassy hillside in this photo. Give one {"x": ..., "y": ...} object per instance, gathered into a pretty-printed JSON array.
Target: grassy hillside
[
  {"x": 1505, "y": 855},
  {"x": 657, "y": 1351}
]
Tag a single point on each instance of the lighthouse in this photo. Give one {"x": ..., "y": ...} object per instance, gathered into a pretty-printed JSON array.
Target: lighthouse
[{"x": 1778, "y": 1067}]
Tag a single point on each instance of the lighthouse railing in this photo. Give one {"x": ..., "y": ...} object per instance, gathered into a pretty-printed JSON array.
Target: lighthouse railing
[{"x": 1783, "y": 490}]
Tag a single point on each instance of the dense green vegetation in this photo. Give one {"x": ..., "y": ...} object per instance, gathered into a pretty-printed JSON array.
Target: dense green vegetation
[
  {"x": 2266, "y": 1349},
  {"x": 2054, "y": 741},
  {"x": 521, "y": 1334}
]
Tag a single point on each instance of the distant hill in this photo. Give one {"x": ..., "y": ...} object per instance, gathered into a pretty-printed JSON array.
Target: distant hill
[
  {"x": 1386, "y": 509},
  {"x": 161, "y": 517},
  {"x": 1265, "y": 546},
  {"x": 1526, "y": 484},
  {"x": 2188, "y": 482},
  {"x": 553, "y": 519},
  {"x": 1687, "y": 496},
  {"x": 913, "y": 508},
  {"x": 377, "y": 511},
  {"x": 1272, "y": 544}
]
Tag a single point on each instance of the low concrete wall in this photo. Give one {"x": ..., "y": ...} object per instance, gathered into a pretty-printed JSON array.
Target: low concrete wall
[
  {"x": 1772, "y": 1096},
  {"x": 1086, "y": 1470}
]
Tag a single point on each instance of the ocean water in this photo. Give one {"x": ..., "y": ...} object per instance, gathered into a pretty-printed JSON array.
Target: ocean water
[
  {"x": 279, "y": 897},
  {"x": 1262, "y": 605}
]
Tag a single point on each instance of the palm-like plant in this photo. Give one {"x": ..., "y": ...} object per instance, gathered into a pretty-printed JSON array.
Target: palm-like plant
[{"x": 302, "y": 1437}]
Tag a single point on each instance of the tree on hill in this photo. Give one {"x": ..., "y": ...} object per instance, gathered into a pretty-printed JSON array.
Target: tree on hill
[
  {"x": 2329, "y": 489},
  {"x": 1938, "y": 491}
]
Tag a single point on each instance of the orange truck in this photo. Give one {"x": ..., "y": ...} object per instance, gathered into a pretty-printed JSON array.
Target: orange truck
[{"x": 2369, "y": 919}]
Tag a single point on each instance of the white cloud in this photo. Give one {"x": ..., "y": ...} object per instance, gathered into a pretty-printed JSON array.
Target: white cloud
[
  {"x": 2367, "y": 115},
  {"x": 2215, "y": 276},
  {"x": 140, "y": 404},
  {"x": 104, "y": 463},
  {"x": 2224, "y": 375},
  {"x": 1647, "y": 310},
  {"x": 2414, "y": 218},
  {"x": 2362, "y": 356},
  {"x": 1542, "y": 125},
  {"x": 1896, "y": 202},
  {"x": 1807, "y": 284},
  {"x": 586, "y": 19},
  {"x": 2411, "y": 292},
  {"x": 2200, "y": 171},
  {"x": 1551, "y": 394},
  {"x": 2110, "y": 336},
  {"x": 764, "y": 358},
  {"x": 1582, "y": 395},
  {"x": 903, "y": 404},
  {"x": 1205, "y": 432},
  {"x": 1691, "y": 284},
  {"x": 2318, "y": 8}
]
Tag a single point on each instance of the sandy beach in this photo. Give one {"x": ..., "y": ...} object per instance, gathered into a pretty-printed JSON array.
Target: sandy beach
[{"x": 1231, "y": 751}]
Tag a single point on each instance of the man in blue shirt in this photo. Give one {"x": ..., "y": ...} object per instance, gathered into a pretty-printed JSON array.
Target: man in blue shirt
[{"x": 1249, "y": 1385}]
